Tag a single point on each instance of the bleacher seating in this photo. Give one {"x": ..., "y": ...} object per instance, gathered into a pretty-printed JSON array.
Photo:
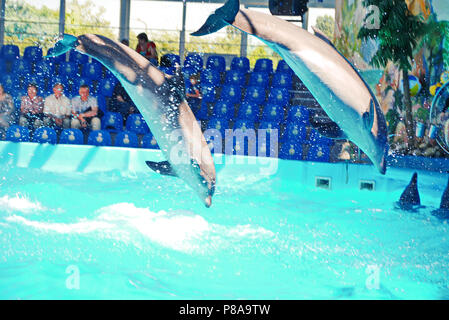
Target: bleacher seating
[
  {"x": 237, "y": 98},
  {"x": 45, "y": 135},
  {"x": 99, "y": 138},
  {"x": 71, "y": 136},
  {"x": 127, "y": 139},
  {"x": 149, "y": 142}
]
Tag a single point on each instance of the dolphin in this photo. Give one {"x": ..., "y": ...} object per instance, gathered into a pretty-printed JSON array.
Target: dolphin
[
  {"x": 443, "y": 211},
  {"x": 333, "y": 81},
  {"x": 410, "y": 199},
  {"x": 161, "y": 101}
]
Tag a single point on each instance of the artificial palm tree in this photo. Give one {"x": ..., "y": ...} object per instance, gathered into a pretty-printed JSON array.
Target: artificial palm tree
[{"x": 397, "y": 34}]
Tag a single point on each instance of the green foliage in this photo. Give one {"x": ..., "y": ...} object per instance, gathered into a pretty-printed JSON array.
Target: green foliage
[
  {"x": 392, "y": 117},
  {"x": 422, "y": 114},
  {"x": 326, "y": 24},
  {"x": 397, "y": 36}
]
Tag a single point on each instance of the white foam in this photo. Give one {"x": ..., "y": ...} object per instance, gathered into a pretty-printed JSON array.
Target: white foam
[
  {"x": 179, "y": 230},
  {"x": 19, "y": 203}
]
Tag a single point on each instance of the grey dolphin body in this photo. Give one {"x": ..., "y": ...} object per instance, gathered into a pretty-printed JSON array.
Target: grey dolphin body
[
  {"x": 161, "y": 102},
  {"x": 332, "y": 80}
]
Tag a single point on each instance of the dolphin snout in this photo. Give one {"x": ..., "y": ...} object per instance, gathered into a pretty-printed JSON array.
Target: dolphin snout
[{"x": 208, "y": 201}]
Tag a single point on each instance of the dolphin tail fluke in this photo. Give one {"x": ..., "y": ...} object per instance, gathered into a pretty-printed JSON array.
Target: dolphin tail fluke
[
  {"x": 222, "y": 17},
  {"x": 65, "y": 44},
  {"x": 163, "y": 168}
]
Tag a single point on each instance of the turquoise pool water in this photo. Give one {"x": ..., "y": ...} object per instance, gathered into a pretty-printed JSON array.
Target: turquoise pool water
[{"x": 98, "y": 225}]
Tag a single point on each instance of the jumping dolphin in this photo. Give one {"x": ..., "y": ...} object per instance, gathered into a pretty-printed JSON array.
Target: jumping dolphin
[
  {"x": 443, "y": 211},
  {"x": 332, "y": 80},
  {"x": 162, "y": 103},
  {"x": 410, "y": 199}
]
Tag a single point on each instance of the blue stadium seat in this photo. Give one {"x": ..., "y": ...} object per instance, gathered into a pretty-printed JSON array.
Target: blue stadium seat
[
  {"x": 259, "y": 79},
  {"x": 17, "y": 133},
  {"x": 255, "y": 95},
  {"x": 248, "y": 111},
  {"x": 235, "y": 77},
  {"x": 2, "y": 66},
  {"x": 71, "y": 136},
  {"x": 45, "y": 135},
  {"x": 194, "y": 60},
  {"x": 137, "y": 124},
  {"x": 294, "y": 132},
  {"x": 273, "y": 113},
  {"x": 202, "y": 112},
  {"x": 267, "y": 144},
  {"x": 168, "y": 70},
  {"x": 284, "y": 67},
  {"x": 210, "y": 77},
  {"x": 317, "y": 139},
  {"x": 32, "y": 53},
  {"x": 264, "y": 65},
  {"x": 78, "y": 57},
  {"x": 21, "y": 67},
  {"x": 10, "y": 82},
  {"x": 102, "y": 103},
  {"x": 240, "y": 64},
  {"x": 44, "y": 68},
  {"x": 92, "y": 71},
  {"x": 106, "y": 86},
  {"x": 244, "y": 124},
  {"x": 320, "y": 153},
  {"x": 112, "y": 121},
  {"x": 10, "y": 52},
  {"x": 282, "y": 80},
  {"x": 231, "y": 93},
  {"x": 99, "y": 138},
  {"x": 219, "y": 124},
  {"x": 68, "y": 70},
  {"x": 57, "y": 59},
  {"x": 291, "y": 151},
  {"x": 217, "y": 63},
  {"x": 298, "y": 114},
  {"x": 126, "y": 139},
  {"x": 170, "y": 60},
  {"x": 223, "y": 110},
  {"x": 279, "y": 96},
  {"x": 188, "y": 72},
  {"x": 149, "y": 142},
  {"x": 208, "y": 92},
  {"x": 63, "y": 81}
]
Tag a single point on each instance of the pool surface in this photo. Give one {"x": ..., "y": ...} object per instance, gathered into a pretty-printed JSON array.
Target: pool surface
[{"x": 82, "y": 222}]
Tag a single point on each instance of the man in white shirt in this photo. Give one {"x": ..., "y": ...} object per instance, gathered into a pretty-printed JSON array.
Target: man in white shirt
[
  {"x": 57, "y": 109},
  {"x": 85, "y": 110}
]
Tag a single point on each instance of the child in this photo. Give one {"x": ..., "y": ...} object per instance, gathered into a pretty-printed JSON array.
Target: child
[{"x": 193, "y": 92}]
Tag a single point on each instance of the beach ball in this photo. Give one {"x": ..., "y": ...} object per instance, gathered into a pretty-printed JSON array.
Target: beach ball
[
  {"x": 444, "y": 77},
  {"x": 415, "y": 85}
]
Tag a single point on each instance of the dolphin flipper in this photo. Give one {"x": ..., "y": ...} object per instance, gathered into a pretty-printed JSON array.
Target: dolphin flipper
[
  {"x": 163, "y": 167},
  {"x": 443, "y": 211},
  {"x": 67, "y": 43},
  {"x": 222, "y": 17}
]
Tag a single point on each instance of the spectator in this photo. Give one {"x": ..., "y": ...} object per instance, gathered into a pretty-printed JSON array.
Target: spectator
[
  {"x": 147, "y": 48},
  {"x": 31, "y": 108},
  {"x": 6, "y": 110},
  {"x": 193, "y": 92},
  {"x": 85, "y": 112},
  {"x": 125, "y": 42},
  {"x": 121, "y": 102},
  {"x": 57, "y": 109}
]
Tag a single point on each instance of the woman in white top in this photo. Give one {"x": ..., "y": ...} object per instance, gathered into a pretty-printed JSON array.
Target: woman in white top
[{"x": 6, "y": 110}]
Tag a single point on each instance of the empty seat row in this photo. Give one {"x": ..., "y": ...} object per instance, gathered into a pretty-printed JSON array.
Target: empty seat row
[{"x": 218, "y": 63}]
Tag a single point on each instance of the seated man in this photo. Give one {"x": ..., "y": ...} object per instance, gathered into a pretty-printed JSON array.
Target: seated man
[
  {"x": 85, "y": 112},
  {"x": 31, "y": 108},
  {"x": 121, "y": 102},
  {"x": 57, "y": 109}
]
